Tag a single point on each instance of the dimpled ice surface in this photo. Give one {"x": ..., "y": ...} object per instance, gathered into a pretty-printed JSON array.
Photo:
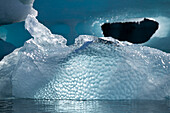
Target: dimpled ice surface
[{"x": 92, "y": 68}]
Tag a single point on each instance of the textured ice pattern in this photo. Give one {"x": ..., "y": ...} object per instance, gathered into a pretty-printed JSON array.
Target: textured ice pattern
[
  {"x": 103, "y": 71},
  {"x": 93, "y": 68}
]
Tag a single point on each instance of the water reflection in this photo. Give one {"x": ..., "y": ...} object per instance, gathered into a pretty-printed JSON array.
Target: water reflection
[{"x": 95, "y": 106}]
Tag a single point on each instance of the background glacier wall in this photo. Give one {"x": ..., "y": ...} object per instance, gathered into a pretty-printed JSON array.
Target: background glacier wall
[{"x": 73, "y": 18}]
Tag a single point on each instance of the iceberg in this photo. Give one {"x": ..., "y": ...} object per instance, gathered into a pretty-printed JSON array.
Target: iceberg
[
  {"x": 93, "y": 68},
  {"x": 13, "y": 11}
]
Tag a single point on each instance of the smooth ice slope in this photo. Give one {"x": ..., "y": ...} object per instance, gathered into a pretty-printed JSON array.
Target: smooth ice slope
[{"x": 91, "y": 69}]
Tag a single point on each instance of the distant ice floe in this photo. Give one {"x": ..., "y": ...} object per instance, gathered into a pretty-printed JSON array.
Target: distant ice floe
[
  {"x": 12, "y": 11},
  {"x": 45, "y": 68}
]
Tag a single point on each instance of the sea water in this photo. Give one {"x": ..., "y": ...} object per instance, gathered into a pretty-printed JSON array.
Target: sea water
[{"x": 91, "y": 106}]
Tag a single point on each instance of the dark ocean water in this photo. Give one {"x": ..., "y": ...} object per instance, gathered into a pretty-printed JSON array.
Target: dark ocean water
[{"x": 93, "y": 106}]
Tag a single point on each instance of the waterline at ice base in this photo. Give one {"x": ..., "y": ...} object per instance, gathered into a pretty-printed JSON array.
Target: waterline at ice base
[{"x": 93, "y": 68}]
